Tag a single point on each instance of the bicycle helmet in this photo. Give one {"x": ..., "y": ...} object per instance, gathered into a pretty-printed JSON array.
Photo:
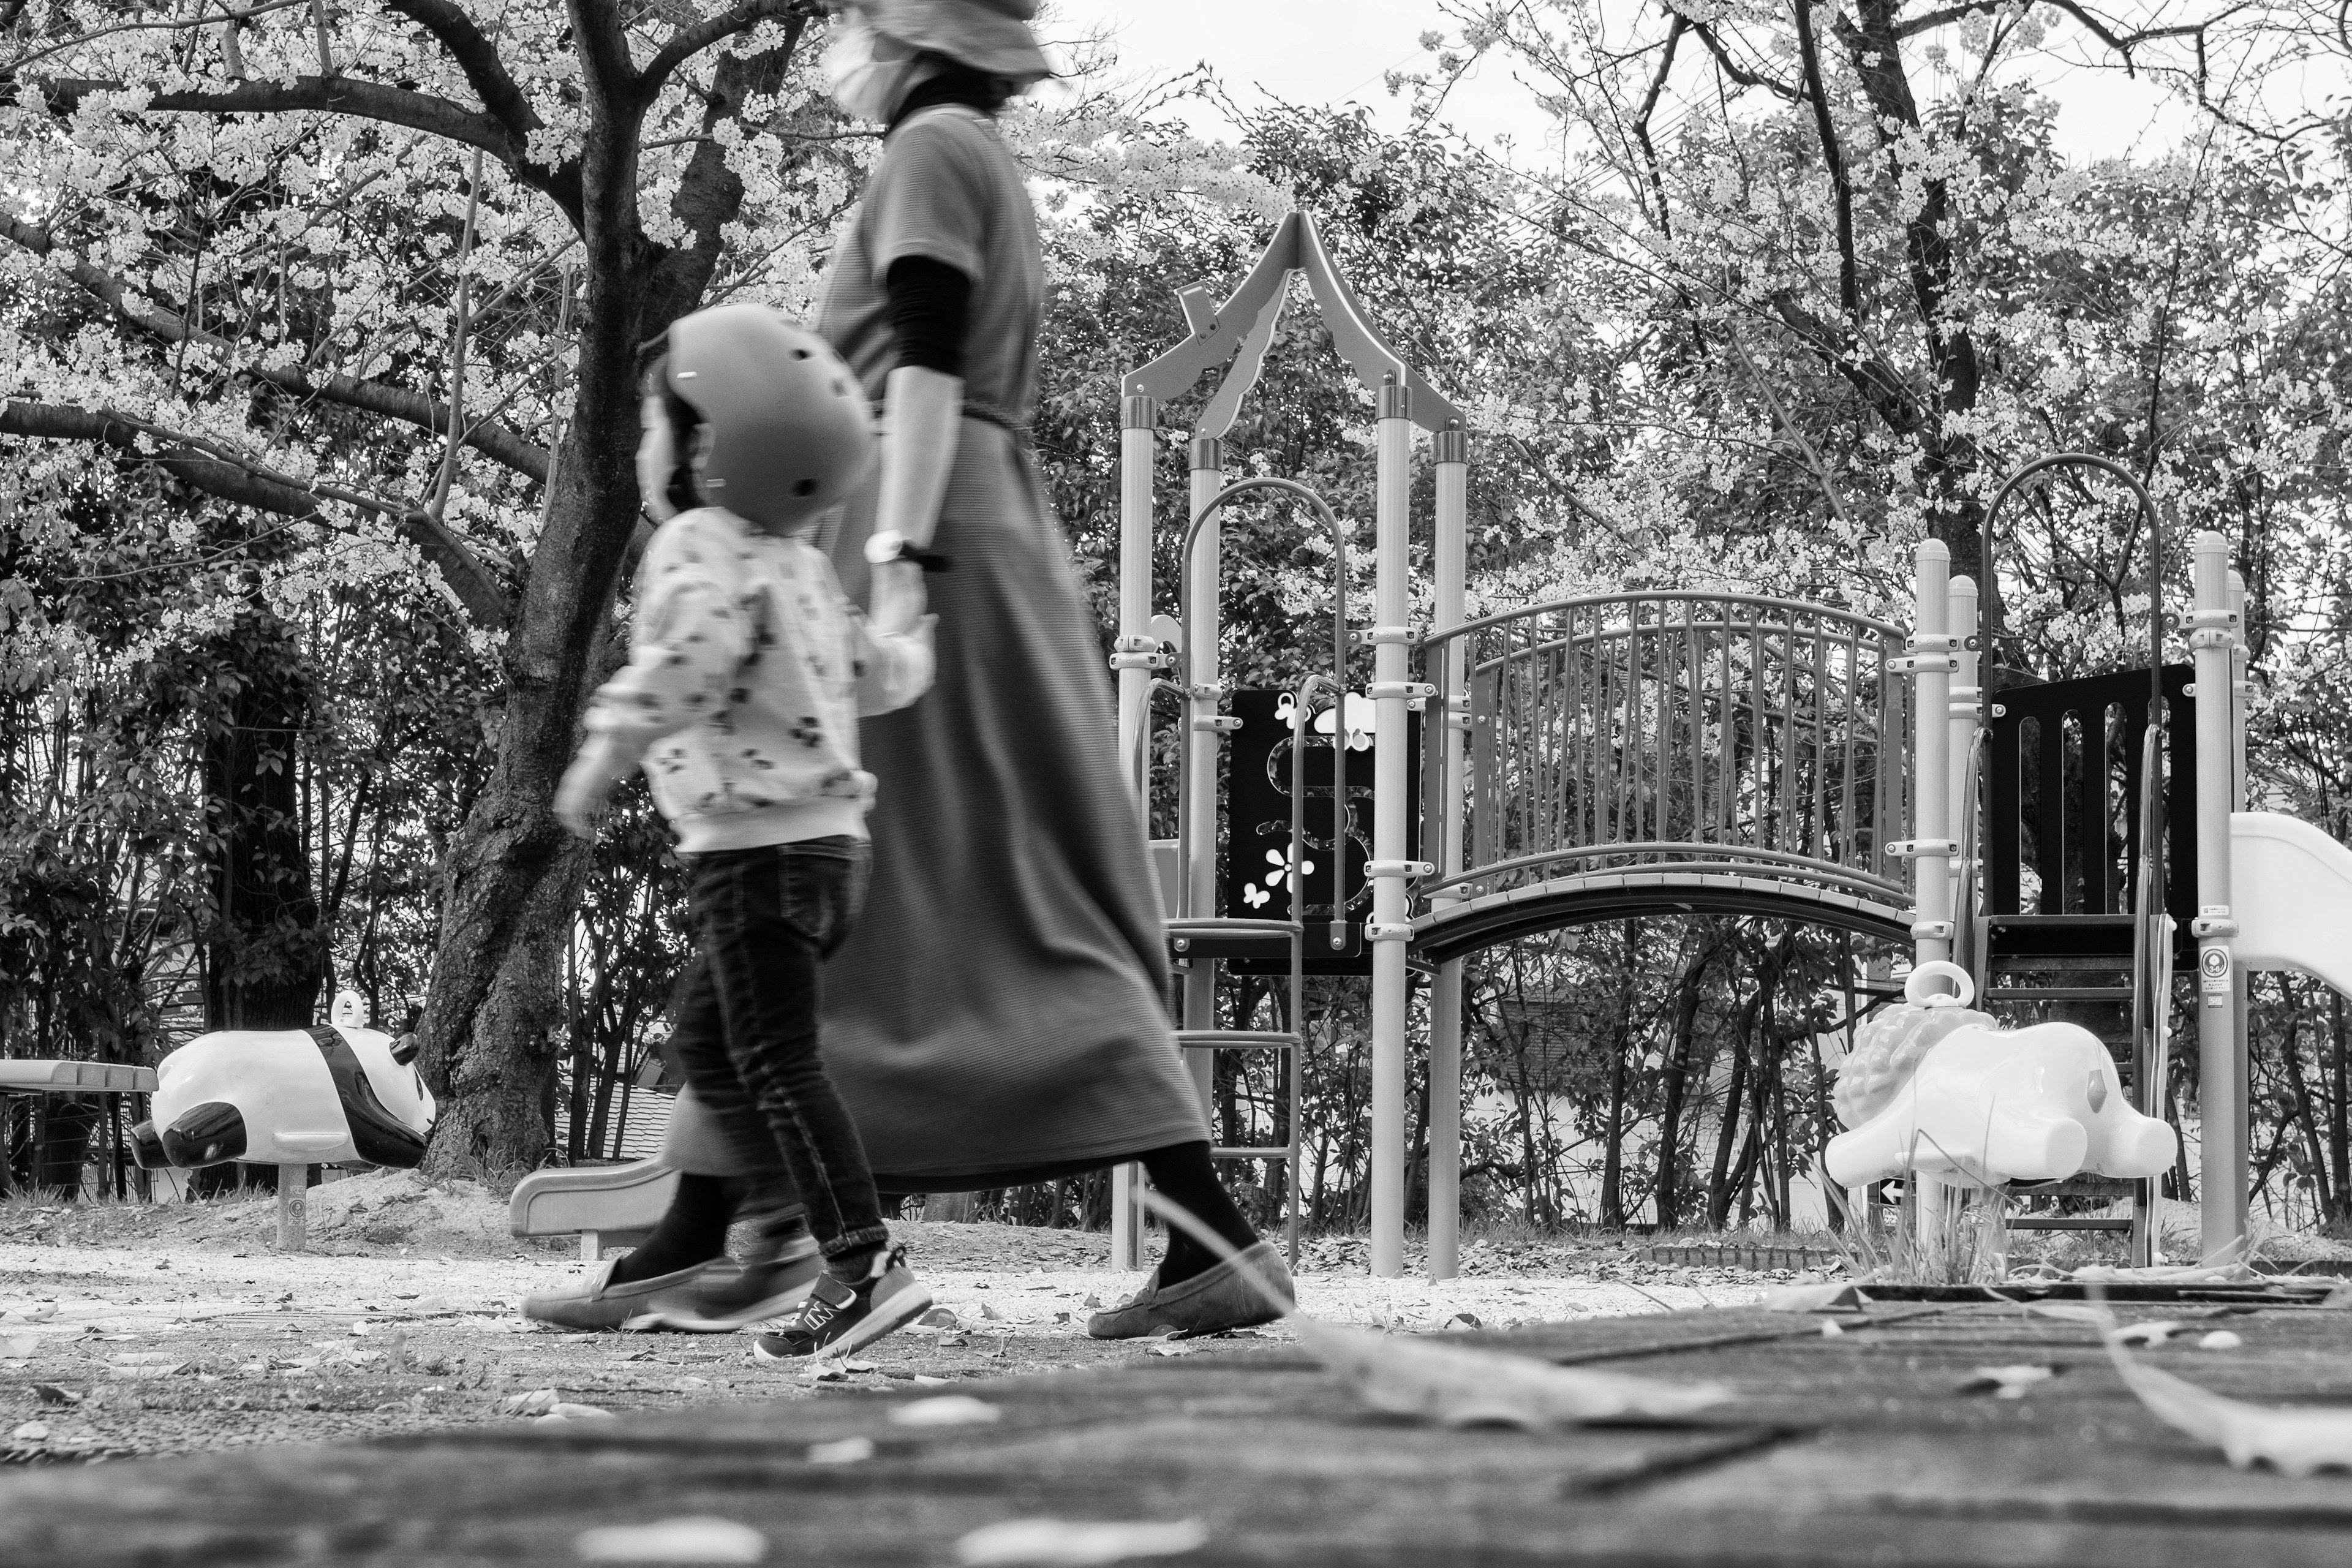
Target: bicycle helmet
[{"x": 788, "y": 430}]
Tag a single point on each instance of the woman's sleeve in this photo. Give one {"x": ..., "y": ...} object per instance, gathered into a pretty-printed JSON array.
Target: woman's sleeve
[
  {"x": 929, "y": 198},
  {"x": 930, "y": 310}
]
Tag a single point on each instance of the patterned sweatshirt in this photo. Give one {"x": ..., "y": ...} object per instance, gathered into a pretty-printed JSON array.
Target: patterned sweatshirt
[{"x": 748, "y": 672}]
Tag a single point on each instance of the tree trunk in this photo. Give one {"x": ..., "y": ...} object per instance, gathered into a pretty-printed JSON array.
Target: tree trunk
[
  {"x": 265, "y": 955},
  {"x": 1718, "y": 1194},
  {"x": 1613, "y": 1196},
  {"x": 2339, "y": 1107},
  {"x": 1689, "y": 995},
  {"x": 1954, "y": 372},
  {"x": 494, "y": 1014}
]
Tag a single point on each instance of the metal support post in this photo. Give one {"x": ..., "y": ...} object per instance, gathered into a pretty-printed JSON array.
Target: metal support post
[
  {"x": 1202, "y": 753},
  {"x": 1138, "y": 422},
  {"x": 293, "y": 1208},
  {"x": 1390, "y": 928},
  {"x": 2221, "y": 989},
  {"x": 1965, "y": 710},
  {"x": 2239, "y": 979},
  {"x": 1451, "y": 451},
  {"x": 1932, "y": 662}
]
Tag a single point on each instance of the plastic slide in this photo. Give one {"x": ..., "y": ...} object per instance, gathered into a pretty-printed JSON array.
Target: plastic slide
[
  {"x": 2291, "y": 892},
  {"x": 604, "y": 1205}
]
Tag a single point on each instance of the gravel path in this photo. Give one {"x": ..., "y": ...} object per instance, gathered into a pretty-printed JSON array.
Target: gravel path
[{"x": 130, "y": 1331}]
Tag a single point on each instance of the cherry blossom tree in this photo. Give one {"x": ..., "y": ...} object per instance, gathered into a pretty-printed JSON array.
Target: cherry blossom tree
[{"x": 381, "y": 271}]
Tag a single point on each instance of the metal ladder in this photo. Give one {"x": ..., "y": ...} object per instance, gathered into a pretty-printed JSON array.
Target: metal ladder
[
  {"x": 1198, "y": 938},
  {"x": 2024, "y": 956}
]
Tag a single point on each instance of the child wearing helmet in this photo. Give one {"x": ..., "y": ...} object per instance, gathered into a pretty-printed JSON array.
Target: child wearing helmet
[{"x": 749, "y": 670}]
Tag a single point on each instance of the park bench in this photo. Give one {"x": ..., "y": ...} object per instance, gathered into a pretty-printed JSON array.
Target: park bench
[
  {"x": 74, "y": 1077},
  {"x": 45, "y": 1076}
]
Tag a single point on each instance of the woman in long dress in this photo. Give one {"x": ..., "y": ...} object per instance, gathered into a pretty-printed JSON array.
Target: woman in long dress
[{"x": 997, "y": 1018}]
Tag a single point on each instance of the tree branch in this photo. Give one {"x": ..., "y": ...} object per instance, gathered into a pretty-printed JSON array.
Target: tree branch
[
  {"x": 710, "y": 194},
  {"x": 424, "y": 111},
  {"x": 1737, "y": 72},
  {"x": 497, "y": 442},
  {"x": 8, "y": 13},
  {"x": 604, "y": 51},
  {"x": 479, "y": 58},
  {"x": 2122, "y": 43},
  {"x": 688, "y": 42},
  {"x": 229, "y": 476},
  {"x": 1674, "y": 32},
  {"x": 1809, "y": 56},
  {"x": 1882, "y": 387}
]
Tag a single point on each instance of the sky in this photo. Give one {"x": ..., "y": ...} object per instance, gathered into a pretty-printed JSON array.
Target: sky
[{"x": 1338, "y": 50}]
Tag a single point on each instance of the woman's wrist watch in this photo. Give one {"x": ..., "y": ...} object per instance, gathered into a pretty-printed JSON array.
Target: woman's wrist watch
[{"x": 890, "y": 545}]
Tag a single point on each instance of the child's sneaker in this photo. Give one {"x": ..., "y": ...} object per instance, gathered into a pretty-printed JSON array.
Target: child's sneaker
[
  {"x": 837, "y": 1318},
  {"x": 760, "y": 1292}
]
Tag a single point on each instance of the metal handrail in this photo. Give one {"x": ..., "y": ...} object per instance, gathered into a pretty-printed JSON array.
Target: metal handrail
[
  {"x": 1967, "y": 889},
  {"x": 1664, "y": 596},
  {"x": 1731, "y": 859},
  {"x": 1599, "y": 708},
  {"x": 1301, "y": 704},
  {"x": 1338, "y": 552},
  {"x": 1338, "y": 681},
  {"x": 1140, "y": 765},
  {"x": 1991, "y": 594}
]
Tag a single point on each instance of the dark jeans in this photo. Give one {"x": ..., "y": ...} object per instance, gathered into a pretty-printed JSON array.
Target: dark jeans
[{"x": 746, "y": 1031}]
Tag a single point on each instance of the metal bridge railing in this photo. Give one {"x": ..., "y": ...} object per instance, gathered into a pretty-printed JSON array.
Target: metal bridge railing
[{"x": 1709, "y": 732}]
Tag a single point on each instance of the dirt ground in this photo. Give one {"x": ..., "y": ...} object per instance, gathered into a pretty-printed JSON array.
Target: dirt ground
[{"x": 130, "y": 1329}]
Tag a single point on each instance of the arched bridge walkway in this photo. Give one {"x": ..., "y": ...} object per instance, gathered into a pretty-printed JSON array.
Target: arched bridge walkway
[{"x": 1664, "y": 751}]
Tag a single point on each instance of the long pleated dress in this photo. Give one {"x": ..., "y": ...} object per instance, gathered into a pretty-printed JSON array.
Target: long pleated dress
[{"x": 996, "y": 1016}]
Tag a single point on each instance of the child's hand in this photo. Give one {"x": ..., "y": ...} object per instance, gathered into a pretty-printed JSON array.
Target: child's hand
[
  {"x": 586, "y": 790},
  {"x": 897, "y": 597}
]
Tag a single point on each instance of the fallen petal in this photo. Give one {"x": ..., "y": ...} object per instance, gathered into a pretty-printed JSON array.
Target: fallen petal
[
  {"x": 945, "y": 1410},
  {"x": 2072, "y": 1313},
  {"x": 2295, "y": 1442},
  {"x": 2007, "y": 1382},
  {"x": 1458, "y": 1386},
  {"x": 1810, "y": 1298},
  {"x": 2153, "y": 1333},
  {"x": 690, "y": 1539},
  {"x": 1056, "y": 1543},
  {"x": 849, "y": 1451}
]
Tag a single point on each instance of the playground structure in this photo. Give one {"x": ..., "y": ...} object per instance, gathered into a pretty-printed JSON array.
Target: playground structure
[
  {"x": 1659, "y": 752},
  {"x": 1667, "y": 751}
]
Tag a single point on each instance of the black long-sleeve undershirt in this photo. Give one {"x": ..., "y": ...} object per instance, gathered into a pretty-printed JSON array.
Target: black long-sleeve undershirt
[{"x": 930, "y": 310}]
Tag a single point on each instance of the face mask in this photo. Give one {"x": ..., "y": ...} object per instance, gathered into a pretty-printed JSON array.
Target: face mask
[{"x": 865, "y": 71}]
